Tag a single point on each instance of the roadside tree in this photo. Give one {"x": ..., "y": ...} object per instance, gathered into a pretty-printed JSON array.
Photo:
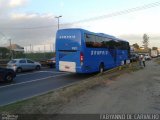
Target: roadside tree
[{"x": 145, "y": 41}]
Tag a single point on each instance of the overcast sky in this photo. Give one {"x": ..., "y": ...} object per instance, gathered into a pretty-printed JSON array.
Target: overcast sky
[{"x": 33, "y": 22}]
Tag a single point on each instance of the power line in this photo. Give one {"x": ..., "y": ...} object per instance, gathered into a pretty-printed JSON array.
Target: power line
[
  {"x": 127, "y": 11},
  {"x": 123, "y": 12}
]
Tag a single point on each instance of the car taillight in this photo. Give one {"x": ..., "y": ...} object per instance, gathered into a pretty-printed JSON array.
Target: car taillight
[{"x": 81, "y": 57}]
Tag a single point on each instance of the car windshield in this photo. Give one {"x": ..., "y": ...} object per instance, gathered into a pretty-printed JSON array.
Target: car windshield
[
  {"x": 13, "y": 61},
  {"x": 52, "y": 58}
]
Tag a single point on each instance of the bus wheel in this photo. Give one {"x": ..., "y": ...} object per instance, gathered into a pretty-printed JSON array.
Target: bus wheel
[{"x": 101, "y": 68}]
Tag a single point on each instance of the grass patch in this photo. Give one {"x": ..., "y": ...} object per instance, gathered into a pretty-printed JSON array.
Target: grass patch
[
  {"x": 134, "y": 67},
  {"x": 157, "y": 60},
  {"x": 52, "y": 102}
]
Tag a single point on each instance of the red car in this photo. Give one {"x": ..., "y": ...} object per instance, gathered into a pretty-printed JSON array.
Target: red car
[{"x": 51, "y": 62}]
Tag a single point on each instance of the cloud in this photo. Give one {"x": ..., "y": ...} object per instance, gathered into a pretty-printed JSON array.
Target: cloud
[
  {"x": 17, "y": 3},
  {"x": 40, "y": 28},
  {"x": 23, "y": 16},
  {"x": 8, "y": 6},
  {"x": 29, "y": 28},
  {"x": 26, "y": 29}
]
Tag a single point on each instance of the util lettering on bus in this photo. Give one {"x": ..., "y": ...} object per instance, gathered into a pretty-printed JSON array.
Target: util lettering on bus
[
  {"x": 99, "y": 52},
  {"x": 67, "y": 37}
]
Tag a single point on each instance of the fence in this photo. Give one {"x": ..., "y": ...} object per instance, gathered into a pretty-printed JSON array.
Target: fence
[{"x": 39, "y": 48}]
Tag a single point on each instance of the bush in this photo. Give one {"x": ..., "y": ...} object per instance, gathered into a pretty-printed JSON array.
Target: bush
[{"x": 39, "y": 56}]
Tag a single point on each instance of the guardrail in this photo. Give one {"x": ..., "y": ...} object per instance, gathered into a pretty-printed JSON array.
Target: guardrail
[{"x": 3, "y": 65}]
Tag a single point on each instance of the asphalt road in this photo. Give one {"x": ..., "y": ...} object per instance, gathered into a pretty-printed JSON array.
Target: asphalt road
[{"x": 33, "y": 83}]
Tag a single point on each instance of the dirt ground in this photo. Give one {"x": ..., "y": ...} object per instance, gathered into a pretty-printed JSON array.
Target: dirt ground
[{"x": 136, "y": 92}]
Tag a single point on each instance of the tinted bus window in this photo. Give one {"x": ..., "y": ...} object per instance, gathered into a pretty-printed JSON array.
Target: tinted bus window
[
  {"x": 94, "y": 41},
  {"x": 98, "y": 42},
  {"x": 90, "y": 40}
]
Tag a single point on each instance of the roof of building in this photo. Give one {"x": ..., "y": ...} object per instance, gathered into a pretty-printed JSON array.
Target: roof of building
[{"x": 16, "y": 47}]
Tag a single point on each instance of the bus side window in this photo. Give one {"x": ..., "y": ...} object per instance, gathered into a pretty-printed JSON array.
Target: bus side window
[
  {"x": 97, "y": 43},
  {"x": 111, "y": 44},
  {"x": 89, "y": 40}
]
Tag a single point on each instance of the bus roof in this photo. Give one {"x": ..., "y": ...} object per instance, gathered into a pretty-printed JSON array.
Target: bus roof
[{"x": 98, "y": 34}]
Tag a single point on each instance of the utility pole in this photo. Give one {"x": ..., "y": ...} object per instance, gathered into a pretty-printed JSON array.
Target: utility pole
[
  {"x": 10, "y": 46},
  {"x": 30, "y": 48},
  {"x": 58, "y": 17},
  {"x": 50, "y": 47},
  {"x": 44, "y": 52}
]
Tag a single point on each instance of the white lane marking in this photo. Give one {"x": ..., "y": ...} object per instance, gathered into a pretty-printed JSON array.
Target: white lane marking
[
  {"x": 38, "y": 72},
  {"x": 27, "y": 73},
  {"x": 34, "y": 80},
  {"x": 52, "y": 72}
]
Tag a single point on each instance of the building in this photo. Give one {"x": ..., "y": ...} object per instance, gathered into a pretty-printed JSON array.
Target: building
[{"x": 16, "y": 48}]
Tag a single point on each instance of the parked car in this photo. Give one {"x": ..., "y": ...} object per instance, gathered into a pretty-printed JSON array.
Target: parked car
[
  {"x": 23, "y": 64},
  {"x": 147, "y": 57},
  {"x": 134, "y": 57},
  {"x": 7, "y": 74},
  {"x": 51, "y": 62}
]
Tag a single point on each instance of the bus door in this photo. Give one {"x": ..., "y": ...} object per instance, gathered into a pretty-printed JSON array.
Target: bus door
[{"x": 113, "y": 53}]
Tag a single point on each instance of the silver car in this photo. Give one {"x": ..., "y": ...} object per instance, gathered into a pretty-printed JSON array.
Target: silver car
[{"x": 23, "y": 64}]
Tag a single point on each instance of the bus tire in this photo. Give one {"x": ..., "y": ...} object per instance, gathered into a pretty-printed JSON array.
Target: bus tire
[
  {"x": 125, "y": 62},
  {"x": 101, "y": 68}
]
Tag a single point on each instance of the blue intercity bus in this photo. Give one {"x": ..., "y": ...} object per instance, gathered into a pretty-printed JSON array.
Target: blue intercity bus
[{"x": 82, "y": 51}]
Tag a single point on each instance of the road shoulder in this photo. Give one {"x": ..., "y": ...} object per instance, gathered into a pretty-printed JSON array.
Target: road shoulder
[{"x": 136, "y": 92}]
